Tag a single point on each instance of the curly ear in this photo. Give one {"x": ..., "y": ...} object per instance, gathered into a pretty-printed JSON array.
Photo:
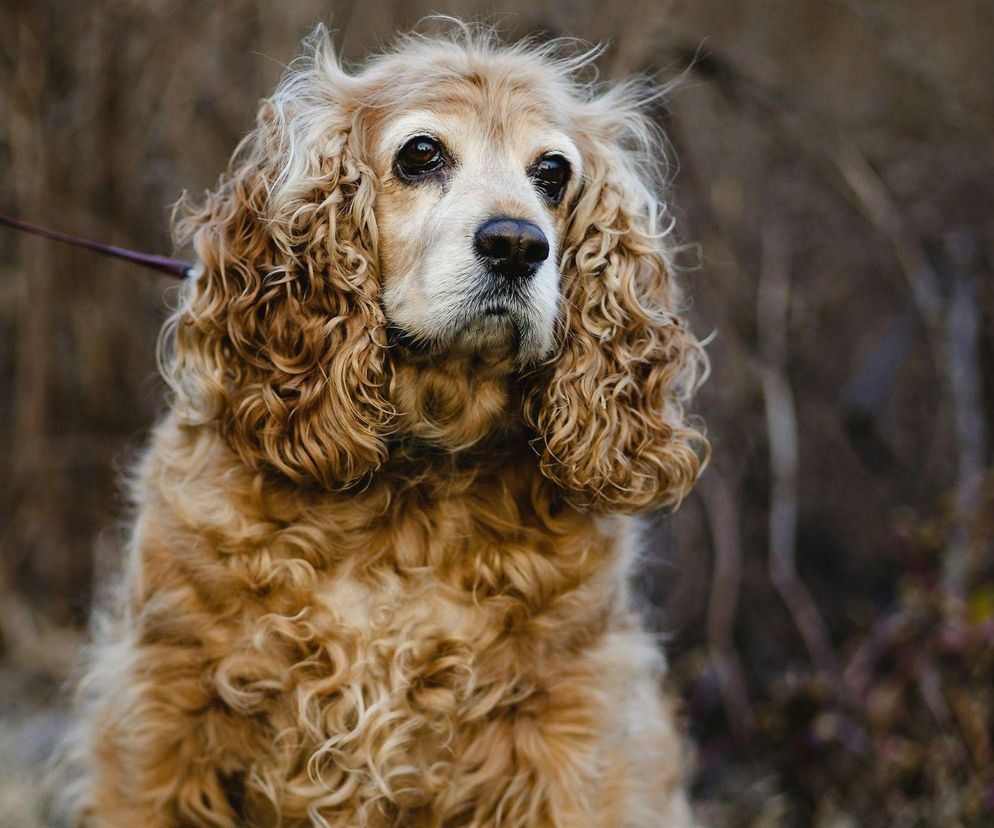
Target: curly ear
[
  {"x": 280, "y": 341},
  {"x": 610, "y": 413}
]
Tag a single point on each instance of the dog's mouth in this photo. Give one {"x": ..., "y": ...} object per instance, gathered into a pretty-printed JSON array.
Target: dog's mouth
[
  {"x": 495, "y": 326},
  {"x": 492, "y": 326}
]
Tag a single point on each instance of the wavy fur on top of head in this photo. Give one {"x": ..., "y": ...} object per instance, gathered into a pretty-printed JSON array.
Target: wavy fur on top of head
[{"x": 282, "y": 341}]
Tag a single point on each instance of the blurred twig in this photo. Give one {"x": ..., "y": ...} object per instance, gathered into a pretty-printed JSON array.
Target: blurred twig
[
  {"x": 722, "y": 506},
  {"x": 32, "y": 642},
  {"x": 963, "y": 328},
  {"x": 781, "y": 424},
  {"x": 861, "y": 669}
]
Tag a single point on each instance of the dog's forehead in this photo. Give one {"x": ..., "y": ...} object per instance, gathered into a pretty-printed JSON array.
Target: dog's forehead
[
  {"x": 461, "y": 131},
  {"x": 503, "y": 112}
]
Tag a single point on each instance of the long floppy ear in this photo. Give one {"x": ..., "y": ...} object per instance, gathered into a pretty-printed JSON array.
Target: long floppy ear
[
  {"x": 280, "y": 342},
  {"x": 610, "y": 417}
]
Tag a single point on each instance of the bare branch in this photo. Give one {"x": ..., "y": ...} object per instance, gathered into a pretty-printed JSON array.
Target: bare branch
[
  {"x": 963, "y": 355},
  {"x": 781, "y": 424},
  {"x": 722, "y": 508}
]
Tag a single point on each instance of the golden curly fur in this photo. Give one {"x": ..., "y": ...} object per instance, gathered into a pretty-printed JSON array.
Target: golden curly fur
[{"x": 380, "y": 579}]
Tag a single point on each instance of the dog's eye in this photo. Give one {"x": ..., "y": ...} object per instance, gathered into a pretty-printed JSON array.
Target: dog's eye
[
  {"x": 551, "y": 175},
  {"x": 419, "y": 156}
]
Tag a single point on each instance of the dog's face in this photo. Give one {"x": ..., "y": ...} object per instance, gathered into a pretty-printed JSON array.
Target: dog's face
[
  {"x": 471, "y": 213},
  {"x": 494, "y": 213}
]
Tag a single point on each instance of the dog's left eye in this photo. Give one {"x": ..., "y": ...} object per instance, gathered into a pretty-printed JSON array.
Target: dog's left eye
[
  {"x": 551, "y": 175},
  {"x": 419, "y": 156}
]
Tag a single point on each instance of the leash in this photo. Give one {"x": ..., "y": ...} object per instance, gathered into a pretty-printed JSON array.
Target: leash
[{"x": 176, "y": 268}]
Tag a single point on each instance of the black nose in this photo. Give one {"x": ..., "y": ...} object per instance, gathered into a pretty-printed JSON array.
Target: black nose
[{"x": 511, "y": 247}]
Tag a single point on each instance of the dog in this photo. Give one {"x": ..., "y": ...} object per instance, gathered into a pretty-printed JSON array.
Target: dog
[{"x": 430, "y": 367}]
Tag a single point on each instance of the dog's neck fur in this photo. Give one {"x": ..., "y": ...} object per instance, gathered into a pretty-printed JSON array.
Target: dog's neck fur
[
  {"x": 492, "y": 547},
  {"x": 459, "y": 403},
  {"x": 461, "y": 496}
]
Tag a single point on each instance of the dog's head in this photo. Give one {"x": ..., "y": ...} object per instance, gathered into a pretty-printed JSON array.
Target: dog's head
[{"x": 454, "y": 202}]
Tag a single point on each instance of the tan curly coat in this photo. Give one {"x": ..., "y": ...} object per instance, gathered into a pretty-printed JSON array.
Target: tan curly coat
[{"x": 374, "y": 584}]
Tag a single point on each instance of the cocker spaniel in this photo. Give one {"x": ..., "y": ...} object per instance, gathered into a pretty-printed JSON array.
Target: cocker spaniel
[{"x": 431, "y": 362}]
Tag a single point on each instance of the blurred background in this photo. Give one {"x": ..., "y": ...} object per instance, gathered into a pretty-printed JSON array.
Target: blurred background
[{"x": 827, "y": 594}]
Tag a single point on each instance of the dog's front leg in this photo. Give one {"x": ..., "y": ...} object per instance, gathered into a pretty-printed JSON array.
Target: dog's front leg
[{"x": 154, "y": 741}]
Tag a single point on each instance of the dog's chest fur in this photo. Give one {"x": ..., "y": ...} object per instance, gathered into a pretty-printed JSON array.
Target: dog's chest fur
[{"x": 437, "y": 647}]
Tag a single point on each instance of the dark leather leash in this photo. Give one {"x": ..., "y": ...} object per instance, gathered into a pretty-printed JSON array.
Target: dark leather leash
[{"x": 176, "y": 268}]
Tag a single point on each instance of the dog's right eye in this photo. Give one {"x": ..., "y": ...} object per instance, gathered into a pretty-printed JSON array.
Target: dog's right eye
[{"x": 418, "y": 157}]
